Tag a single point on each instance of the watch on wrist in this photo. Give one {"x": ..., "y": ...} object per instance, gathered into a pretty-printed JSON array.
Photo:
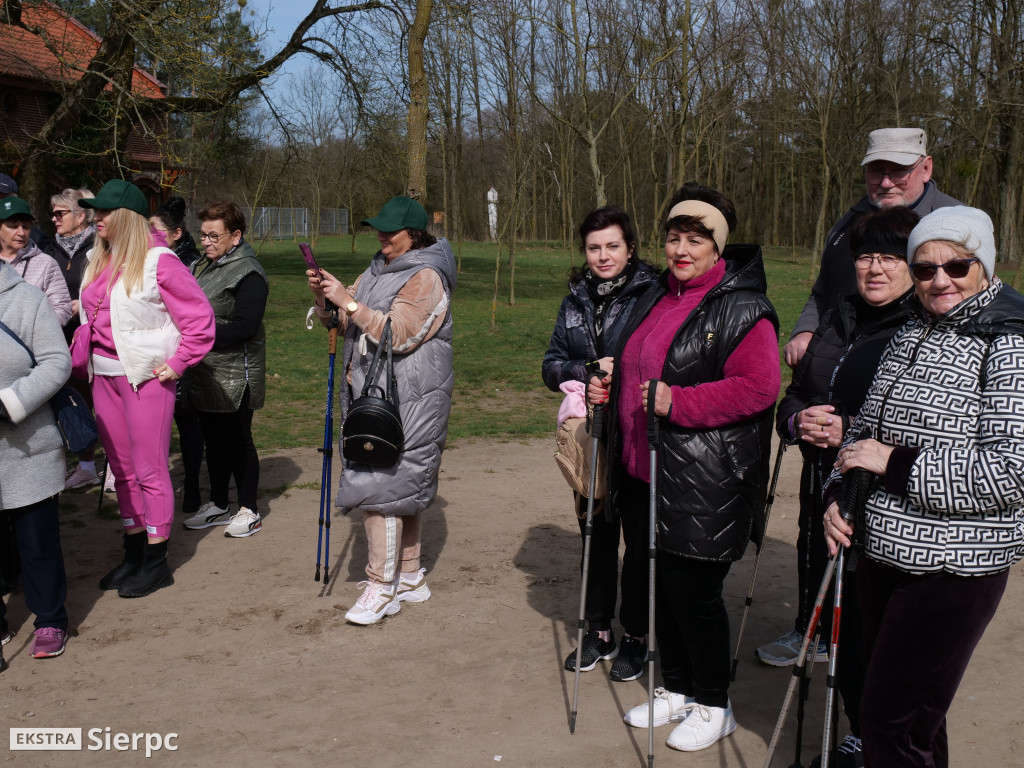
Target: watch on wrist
[{"x": 351, "y": 307}]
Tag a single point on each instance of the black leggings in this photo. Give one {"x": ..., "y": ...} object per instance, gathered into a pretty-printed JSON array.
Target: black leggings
[{"x": 230, "y": 452}]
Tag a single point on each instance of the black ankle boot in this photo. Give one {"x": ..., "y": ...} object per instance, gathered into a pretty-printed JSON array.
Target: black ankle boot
[
  {"x": 130, "y": 565},
  {"x": 153, "y": 575}
]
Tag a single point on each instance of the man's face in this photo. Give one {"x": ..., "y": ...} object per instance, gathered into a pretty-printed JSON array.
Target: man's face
[
  {"x": 891, "y": 185},
  {"x": 215, "y": 238}
]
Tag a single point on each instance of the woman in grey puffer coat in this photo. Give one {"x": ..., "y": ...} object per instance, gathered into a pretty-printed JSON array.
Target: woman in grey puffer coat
[
  {"x": 409, "y": 281},
  {"x": 32, "y": 454}
]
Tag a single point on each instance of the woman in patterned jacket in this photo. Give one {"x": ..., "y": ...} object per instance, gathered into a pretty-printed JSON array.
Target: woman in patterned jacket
[{"x": 943, "y": 426}]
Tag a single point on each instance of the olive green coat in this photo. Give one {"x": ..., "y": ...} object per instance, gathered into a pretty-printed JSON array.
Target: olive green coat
[{"x": 217, "y": 384}]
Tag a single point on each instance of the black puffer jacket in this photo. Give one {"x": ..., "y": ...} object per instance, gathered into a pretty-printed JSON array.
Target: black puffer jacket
[
  {"x": 574, "y": 341},
  {"x": 838, "y": 367},
  {"x": 711, "y": 482},
  {"x": 72, "y": 267},
  {"x": 836, "y": 277}
]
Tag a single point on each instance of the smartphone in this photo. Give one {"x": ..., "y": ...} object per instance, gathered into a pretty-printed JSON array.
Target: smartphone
[{"x": 307, "y": 254}]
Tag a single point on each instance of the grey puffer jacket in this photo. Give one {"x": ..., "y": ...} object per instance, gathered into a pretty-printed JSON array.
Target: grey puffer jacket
[
  {"x": 425, "y": 381},
  {"x": 31, "y": 451}
]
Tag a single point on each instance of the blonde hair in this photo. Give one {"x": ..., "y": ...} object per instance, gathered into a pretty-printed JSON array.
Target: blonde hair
[
  {"x": 123, "y": 247},
  {"x": 70, "y": 198}
]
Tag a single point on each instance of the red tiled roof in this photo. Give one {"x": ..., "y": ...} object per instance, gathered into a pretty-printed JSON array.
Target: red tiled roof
[{"x": 26, "y": 57}]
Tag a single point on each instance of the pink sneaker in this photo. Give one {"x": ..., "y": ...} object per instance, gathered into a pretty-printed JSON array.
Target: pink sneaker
[{"x": 50, "y": 642}]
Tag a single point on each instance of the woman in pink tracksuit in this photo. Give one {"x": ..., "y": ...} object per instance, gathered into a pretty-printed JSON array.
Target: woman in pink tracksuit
[{"x": 150, "y": 321}]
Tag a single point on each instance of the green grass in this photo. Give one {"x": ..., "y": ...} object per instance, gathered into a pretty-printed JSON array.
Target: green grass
[{"x": 498, "y": 388}]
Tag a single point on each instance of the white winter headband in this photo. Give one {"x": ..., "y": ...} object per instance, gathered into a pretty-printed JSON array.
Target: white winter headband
[{"x": 711, "y": 217}]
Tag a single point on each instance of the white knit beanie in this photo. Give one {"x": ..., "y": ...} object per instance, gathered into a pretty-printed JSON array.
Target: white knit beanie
[{"x": 969, "y": 228}]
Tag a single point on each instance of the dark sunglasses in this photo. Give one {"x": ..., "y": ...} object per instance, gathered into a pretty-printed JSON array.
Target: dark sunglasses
[{"x": 955, "y": 269}]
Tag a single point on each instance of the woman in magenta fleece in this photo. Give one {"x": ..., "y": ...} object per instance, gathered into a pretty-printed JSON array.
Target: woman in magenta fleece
[
  {"x": 706, "y": 336},
  {"x": 150, "y": 321}
]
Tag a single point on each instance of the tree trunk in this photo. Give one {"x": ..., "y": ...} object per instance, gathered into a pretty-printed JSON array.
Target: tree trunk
[{"x": 418, "y": 103}]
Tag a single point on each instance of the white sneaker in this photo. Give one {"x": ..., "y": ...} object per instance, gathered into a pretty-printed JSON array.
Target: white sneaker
[
  {"x": 668, "y": 708},
  {"x": 702, "y": 728},
  {"x": 208, "y": 515},
  {"x": 377, "y": 601},
  {"x": 784, "y": 651},
  {"x": 414, "y": 590},
  {"x": 246, "y": 522},
  {"x": 108, "y": 482},
  {"x": 80, "y": 478}
]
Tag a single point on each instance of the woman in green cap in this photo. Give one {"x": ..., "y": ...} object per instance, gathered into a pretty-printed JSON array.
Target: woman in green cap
[
  {"x": 409, "y": 281},
  {"x": 148, "y": 321}
]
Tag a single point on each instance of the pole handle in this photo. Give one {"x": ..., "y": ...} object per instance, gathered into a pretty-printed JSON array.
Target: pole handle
[{"x": 653, "y": 422}]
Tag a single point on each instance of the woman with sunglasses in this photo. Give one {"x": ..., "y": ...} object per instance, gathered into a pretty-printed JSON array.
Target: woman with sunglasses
[
  {"x": 74, "y": 238},
  {"x": 943, "y": 429}
]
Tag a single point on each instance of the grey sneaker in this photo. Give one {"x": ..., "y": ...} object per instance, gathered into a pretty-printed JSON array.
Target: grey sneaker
[
  {"x": 246, "y": 522},
  {"x": 208, "y": 515},
  {"x": 783, "y": 652}
]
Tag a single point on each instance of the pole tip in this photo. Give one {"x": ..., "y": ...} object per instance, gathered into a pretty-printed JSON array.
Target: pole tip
[{"x": 572, "y": 722}]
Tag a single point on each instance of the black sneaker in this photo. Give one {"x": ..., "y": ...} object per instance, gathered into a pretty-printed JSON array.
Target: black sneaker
[
  {"x": 848, "y": 755},
  {"x": 594, "y": 649},
  {"x": 630, "y": 663}
]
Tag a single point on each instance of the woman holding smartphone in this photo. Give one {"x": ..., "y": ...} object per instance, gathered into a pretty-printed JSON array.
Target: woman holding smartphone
[{"x": 409, "y": 282}]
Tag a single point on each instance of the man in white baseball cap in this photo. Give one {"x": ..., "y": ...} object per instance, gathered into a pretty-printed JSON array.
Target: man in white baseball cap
[{"x": 897, "y": 172}]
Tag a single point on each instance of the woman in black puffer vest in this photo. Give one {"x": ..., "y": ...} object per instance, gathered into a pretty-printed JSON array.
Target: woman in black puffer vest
[{"x": 707, "y": 334}]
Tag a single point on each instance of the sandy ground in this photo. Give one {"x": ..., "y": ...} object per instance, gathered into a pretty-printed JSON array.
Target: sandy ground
[{"x": 250, "y": 662}]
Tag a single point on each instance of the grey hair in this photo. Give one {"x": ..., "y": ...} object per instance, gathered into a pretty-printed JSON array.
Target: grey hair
[{"x": 70, "y": 197}]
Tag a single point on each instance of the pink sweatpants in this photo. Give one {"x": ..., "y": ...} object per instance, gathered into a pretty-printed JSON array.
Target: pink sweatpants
[{"x": 135, "y": 428}]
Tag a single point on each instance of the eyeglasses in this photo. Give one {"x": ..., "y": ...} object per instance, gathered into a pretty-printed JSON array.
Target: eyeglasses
[
  {"x": 954, "y": 269},
  {"x": 213, "y": 237},
  {"x": 886, "y": 261},
  {"x": 896, "y": 175},
  {"x": 58, "y": 214}
]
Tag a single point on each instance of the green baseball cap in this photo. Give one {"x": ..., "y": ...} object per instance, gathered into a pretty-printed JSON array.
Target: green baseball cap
[
  {"x": 14, "y": 206},
  {"x": 399, "y": 213},
  {"x": 118, "y": 194}
]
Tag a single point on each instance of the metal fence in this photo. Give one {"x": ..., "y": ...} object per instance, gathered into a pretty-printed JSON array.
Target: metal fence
[{"x": 282, "y": 223}]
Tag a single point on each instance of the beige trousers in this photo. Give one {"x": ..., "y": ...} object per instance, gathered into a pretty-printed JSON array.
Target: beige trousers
[{"x": 393, "y": 542}]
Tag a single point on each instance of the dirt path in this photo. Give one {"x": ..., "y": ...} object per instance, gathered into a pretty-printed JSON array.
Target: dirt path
[{"x": 250, "y": 661}]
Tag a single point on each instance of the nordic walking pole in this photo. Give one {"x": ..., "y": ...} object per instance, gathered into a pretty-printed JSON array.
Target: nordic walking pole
[
  {"x": 324, "y": 530},
  {"x": 856, "y": 487},
  {"x": 783, "y": 444},
  {"x": 653, "y": 441},
  {"x": 801, "y": 659},
  {"x": 801, "y": 704},
  {"x": 323, "y": 538},
  {"x": 597, "y": 433}
]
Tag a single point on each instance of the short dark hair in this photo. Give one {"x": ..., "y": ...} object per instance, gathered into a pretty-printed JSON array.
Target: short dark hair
[
  {"x": 229, "y": 213},
  {"x": 691, "y": 190},
  {"x": 883, "y": 231},
  {"x": 420, "y": 238},
  {"x": 609, "y": 216}
]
